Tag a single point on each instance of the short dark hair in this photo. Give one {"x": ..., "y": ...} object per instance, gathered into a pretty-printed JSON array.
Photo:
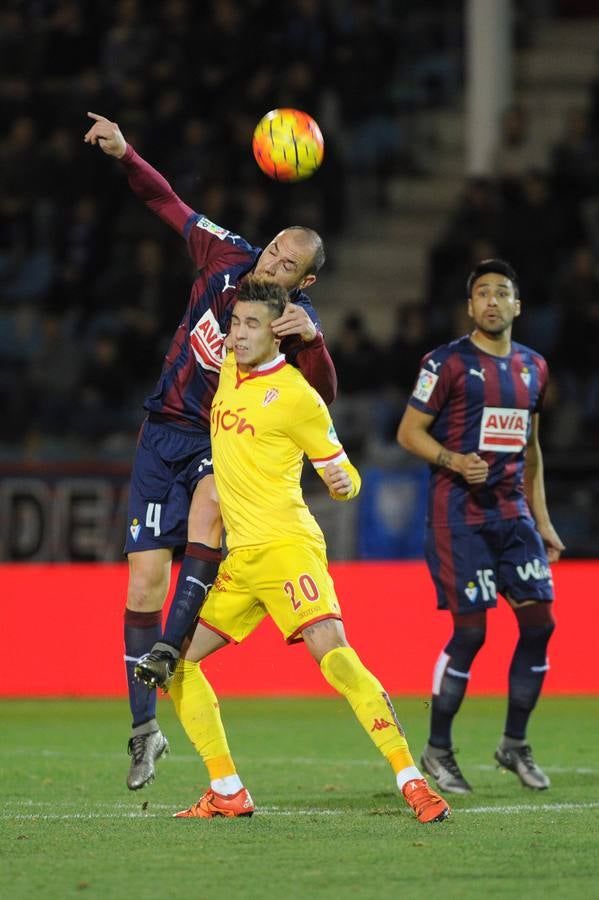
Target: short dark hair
[
  {"x": 257, "y": 290},
  {"x": 318, "y": 259},
  {"x": 492, "y": 265}
]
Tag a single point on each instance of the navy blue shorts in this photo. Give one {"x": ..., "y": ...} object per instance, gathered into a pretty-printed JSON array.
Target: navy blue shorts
[
  {"x": 169, "y": 462},
  {"x": 471, "y": 564}
]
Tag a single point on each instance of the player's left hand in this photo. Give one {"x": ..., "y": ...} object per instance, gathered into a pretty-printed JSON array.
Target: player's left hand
[
  {"x": 336, "y": 479},
  {"x": 552, "y": 541},
  {"x": 295, "y": 320}
]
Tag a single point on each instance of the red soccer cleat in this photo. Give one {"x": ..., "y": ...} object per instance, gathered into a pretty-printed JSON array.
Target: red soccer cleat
[
  {"x": 212, "y": 804},
  {"x": 428, "y": 806}
]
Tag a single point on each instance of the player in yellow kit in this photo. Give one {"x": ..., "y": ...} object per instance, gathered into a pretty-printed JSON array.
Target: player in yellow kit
[{"x": 264, "y": 418}]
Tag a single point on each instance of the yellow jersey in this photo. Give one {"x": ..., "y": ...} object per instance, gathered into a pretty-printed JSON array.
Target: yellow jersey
[{"x": 261, "y": 424}]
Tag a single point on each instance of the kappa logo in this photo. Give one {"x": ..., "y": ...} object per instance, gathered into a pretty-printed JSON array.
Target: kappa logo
[
  {"x": 478, "y": 374},
  {"x": 380, "y": 725},
  {"x": 270, "y": 396},
  {"x": 535, "y": 570},
  {"x": 208, "y": 342}
]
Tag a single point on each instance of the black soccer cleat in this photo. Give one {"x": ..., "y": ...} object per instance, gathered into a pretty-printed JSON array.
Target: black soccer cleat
[{"x": 156, "y": 668}]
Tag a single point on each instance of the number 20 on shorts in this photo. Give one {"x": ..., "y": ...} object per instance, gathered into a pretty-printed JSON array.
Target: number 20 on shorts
[{"x": 307, "y": 589}]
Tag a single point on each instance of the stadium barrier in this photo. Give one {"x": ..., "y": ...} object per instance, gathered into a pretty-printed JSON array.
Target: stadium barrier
[{"x": 63, "y": 628}]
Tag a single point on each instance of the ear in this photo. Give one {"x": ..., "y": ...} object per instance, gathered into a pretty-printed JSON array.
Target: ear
[
  {"x": 470, "y": 313},
  {"x": 306, "y": 281},
  {"x": 517, "y": 307}
]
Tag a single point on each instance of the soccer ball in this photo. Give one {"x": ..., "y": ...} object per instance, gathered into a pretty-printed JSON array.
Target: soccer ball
[{"x": 288, "y": 145}]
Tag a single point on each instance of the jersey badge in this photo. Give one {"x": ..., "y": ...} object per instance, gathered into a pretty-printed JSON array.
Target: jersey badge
[
  {"x": 471, "y": 591},
  {"x": 208, "y": 342},
  {"x": 271, "y": 395},
  {"x": 425, "y": 385},
  {"x": 216, "y": 230},
  {"x": 503, "y": 430},
  {"x": 525, "y": 376},
  {"x": 332, "y": 436},
  {"x": 135, "y": 528}
]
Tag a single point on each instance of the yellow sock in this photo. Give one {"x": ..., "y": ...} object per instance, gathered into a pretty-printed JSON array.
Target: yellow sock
[
  {"x": 367, "y": 697},
  {"x": 197, "y": 708}
]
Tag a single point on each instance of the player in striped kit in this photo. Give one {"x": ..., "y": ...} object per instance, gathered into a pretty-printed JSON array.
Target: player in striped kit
[
  {"x": 474, "y": 417},
  {"x": 173, "y": 501}
]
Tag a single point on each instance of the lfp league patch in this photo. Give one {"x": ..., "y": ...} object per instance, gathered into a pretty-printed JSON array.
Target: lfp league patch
[
  {"x": 425, "y": 385},
  {"x": 211, "y": 228}
]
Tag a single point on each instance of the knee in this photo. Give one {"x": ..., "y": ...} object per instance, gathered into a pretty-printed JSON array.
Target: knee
[
  {"x": 147, "y": 589},
  {"x": 465, "y": 644},
  {"x": 536, "y": 624},
  {"x": 537, "y": 635}
]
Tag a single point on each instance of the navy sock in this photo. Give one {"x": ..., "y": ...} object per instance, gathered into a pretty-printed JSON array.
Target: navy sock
[
  {"x": 452, "y": 674},
  {"x": 198, "y": 571},
  {"x": 142, "y": 630},
  {"x": 527, "y": 673}
]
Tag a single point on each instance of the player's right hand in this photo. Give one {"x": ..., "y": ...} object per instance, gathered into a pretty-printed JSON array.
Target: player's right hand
[
  {"x": 107, "y": 134},
  {"x": 473, "y": 469}
]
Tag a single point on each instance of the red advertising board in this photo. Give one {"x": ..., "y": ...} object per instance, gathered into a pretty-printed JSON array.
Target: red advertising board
[{"x": 62, "y": 630}]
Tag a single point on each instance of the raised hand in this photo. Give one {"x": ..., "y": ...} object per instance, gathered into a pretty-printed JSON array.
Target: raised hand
[
  {"x": 107, "y": 135},
  {"x": 295, "y": 320}
]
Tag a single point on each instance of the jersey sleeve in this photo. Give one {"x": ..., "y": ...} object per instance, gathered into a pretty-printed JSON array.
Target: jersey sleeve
[
  {"x": 155, "y": 191},
  {"x": 543, "y": 370},
  {"x": 314, "y": 361},
  {"x": 433, "y": 383},
  {"x": 313, "y": 431},
  {"x": 208, "y": 242}
]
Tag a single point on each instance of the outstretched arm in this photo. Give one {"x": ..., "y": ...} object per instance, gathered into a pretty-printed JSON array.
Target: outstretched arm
[{"x": 145, "y": 181}]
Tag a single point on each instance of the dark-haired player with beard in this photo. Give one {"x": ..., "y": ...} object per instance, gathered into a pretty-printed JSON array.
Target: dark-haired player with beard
[{"x": 474, "y": 417}]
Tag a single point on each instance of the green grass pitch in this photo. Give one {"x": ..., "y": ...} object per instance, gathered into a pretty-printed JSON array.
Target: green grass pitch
[{"x": 329, "y": 823}]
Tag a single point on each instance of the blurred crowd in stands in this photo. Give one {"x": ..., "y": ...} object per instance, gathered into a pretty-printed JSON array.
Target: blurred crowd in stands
[{"x": 92, "y": 285}]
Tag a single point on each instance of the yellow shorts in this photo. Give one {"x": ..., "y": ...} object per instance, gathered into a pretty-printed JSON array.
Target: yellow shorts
[{"x": 291, "y": 583}]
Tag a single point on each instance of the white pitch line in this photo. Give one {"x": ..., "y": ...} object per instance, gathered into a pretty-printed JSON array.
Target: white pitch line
[{"x": 277, "y": 811}]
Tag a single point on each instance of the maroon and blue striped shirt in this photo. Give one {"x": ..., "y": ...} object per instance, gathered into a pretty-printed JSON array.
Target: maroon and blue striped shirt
[
  {"x": 484, "y": 404},
  {"x": 189, "y": 376}
]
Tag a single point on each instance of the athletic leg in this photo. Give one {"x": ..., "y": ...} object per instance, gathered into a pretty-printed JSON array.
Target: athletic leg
[
  {"x": 450, "y": 680},
  {"x": 198, "y": 711},
  {"x": 526, "y": 675},
  {"x": 149, "y": 575},
  {"x": 196, "y": 576},
  {"x": 343, "y": 669}
]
